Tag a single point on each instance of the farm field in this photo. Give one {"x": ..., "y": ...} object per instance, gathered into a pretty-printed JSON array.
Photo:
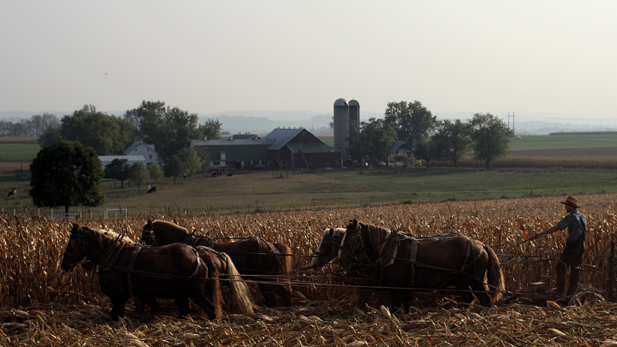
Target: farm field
[
  {"x": 260, "y": 191},
  {"x": 42, "y": 306},
  {"x": 564, "y": 145}
]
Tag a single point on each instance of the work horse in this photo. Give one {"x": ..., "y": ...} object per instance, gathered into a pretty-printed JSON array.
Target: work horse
[
  {"x": 405, "y": 264},
  {"x": 126, "y": 269},
  {"x": 255, "y": 258}
]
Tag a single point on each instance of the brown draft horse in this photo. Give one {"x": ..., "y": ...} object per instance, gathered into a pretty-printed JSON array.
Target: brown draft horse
[
  {"x": 255, "y": 258},
  {"x": 174, "y": 271},
  {"x": 439, "y": 262}
]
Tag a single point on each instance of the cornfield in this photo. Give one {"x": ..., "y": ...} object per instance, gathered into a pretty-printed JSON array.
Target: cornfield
[{"x": 41, "y": 305}]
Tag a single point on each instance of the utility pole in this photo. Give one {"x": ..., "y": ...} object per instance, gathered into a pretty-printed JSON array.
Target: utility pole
[{"x": 514, "y": 131}]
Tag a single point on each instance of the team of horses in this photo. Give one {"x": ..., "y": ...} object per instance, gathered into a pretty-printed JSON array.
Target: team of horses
[{"x": 171, "y": 262}]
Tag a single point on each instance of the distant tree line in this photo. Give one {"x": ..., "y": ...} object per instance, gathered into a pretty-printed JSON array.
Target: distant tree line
[
  {"x": 484, "y": 135},
  {"x": 34, "y": 126}
]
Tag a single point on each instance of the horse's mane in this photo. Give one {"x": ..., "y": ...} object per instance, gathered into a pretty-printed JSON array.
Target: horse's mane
[
  {"x": 173, "y": 227},
  {"x": 106, "y": 235},
  {"x": 337, "y": 232},
  {"x": 376, "y": 234}
]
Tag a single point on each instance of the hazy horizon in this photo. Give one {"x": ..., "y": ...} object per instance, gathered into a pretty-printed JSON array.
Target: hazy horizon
[{"x": 545, "y": 61}]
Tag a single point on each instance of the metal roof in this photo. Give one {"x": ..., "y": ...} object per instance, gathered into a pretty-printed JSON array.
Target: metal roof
[
  {"x": 135, "y": 145},
  {"x": 399, "y": 146},
  {"x": 281, "y": 136},
  {"x": 340, "y": 102},
  {"x": 243, "y": 142}
]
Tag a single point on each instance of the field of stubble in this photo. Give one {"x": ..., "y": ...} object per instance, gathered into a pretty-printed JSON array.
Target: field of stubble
[{"x": 42, "y": 306}]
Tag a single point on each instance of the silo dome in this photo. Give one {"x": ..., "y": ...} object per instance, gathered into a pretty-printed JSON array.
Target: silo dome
[
  {"x": 353, "y": 102},
  {"x": 340, "y": 102}
]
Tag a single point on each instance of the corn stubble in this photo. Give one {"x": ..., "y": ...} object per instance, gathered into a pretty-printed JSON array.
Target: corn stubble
[{"x": 41, "y": 305}]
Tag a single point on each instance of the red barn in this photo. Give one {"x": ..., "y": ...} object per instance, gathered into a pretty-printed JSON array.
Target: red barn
[{"x": 298, "y": 148}]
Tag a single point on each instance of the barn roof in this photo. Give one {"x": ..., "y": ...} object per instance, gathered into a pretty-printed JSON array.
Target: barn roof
[
  {"x": 135, "y": 145},
  {"x": 281, "y": 136},
  {"x": 399, "y": 147}
]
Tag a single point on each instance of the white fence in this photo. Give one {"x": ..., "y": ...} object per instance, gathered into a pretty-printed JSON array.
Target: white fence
[
  {"x": 64, "y": 215},
  {"x": 67, "y": 215},
  {"x": 116, "y": 210}
]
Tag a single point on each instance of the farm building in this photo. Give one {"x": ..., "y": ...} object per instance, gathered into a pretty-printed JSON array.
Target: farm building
[
  {"x": 289, "y": 148},
  {"x": 237, "y": 152},
  {"x": 298, "y": 148},
  {"x": 142, "y": 148}
]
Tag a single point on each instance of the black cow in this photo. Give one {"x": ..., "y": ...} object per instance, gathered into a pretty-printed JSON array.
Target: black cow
[
  {"x": 151, "y": 190},
  {"x": 12, "y": 193}
]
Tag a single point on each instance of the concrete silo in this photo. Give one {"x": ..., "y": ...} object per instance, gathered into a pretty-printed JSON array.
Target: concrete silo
[
  {"x": 354, "y": 117},
  {"x": 341, "y": 125}
]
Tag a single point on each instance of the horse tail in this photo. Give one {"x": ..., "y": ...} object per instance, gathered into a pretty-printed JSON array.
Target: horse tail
[
  {"x": 214, "y": 287},
  {"x": 495, "y": 277},
  {"x": 239, "y": 289},
  {"x": 285, "y": 259}
]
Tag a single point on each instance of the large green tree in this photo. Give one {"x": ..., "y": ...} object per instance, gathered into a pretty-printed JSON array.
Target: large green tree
[
  {"x": 491, "y": 137},
  {"x": 174, "y": 167},
  {"x": 427, "y": 149},
  {"x": 156, "y": 172},
  {"x": 118, "y": 169},
  {"x": 452, "y": 139},
  {"x": 169, "y": 129},
  {"x": 106, "y": 134},
  {"x": 66, "y": 174},
  {"x": 410, "y": 120},
  {"x": 210, "y": 129},
  {"x": 139, "y": 175},
  {"x": 372, "y": 141}
]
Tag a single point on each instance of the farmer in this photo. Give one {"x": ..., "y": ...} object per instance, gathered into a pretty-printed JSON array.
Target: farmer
[{"x": 572, "y": 255}]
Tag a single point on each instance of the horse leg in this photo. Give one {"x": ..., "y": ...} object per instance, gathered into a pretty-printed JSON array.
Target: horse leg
[
  {"x": 268, "y": 294},
  {"x": 400, "y": 299},
  {"x": 118, "y": 303},
  {"x": 463, "y": 288},
  {"x": 183, "y": 306},
  {"x": 202, "y": 301},
  {"x": 480, "y": 292},
  {"x": 140, "y": 305},
  {"x": 284, "y": 293},
  {"x": 153, "y": 304}
]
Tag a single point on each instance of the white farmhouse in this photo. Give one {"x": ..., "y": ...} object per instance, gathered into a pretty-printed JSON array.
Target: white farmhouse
[{"x": 144, "y": 149}]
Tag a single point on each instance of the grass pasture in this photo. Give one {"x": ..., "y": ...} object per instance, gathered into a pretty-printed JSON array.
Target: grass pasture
[
  {"x": 18, "y": 151},
  {"x": 257, "y": 191}
]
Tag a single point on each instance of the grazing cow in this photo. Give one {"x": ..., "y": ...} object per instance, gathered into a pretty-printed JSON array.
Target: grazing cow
[
  {"x": 151, "y": 190},
  {"x": 12, "y": 193}
]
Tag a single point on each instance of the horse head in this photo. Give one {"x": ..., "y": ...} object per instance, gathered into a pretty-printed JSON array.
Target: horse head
[
  {"x": 160, "y": 232},
  {"x": 328, "y": 247},
  {"x": 351, "y": 245},
  {"x": 148, "y": 236},
  {"x": 75, "y": 251}
]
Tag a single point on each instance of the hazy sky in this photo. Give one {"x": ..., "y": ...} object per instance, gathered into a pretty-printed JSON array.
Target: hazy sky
[{"x": 557, "y": 58}]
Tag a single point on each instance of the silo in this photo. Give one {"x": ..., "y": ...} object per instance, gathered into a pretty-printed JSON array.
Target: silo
[
  {"x": 341, "y": 124},
  {"x": 354, "y": 114}
]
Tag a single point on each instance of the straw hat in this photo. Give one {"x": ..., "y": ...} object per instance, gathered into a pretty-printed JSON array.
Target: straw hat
[{"x": 570, "y": 201}]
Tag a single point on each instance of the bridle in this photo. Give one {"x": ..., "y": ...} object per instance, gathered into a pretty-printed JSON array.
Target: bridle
[
  {"x": 357, "y": 252},
  {"x": 151, "y": 236},
  {"x": 73, "y": 253}
]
